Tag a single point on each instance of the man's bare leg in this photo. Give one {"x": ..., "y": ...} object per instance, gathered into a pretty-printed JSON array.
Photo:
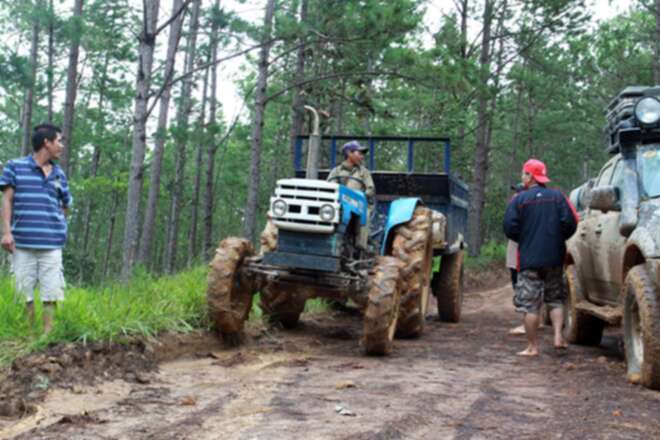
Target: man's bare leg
[
  {"x": 557, "y": 317},
  {"x": 520, "y": 330},
  {"x": 47, "y": 313},
  {"x": 30, "y": 312},
  {"x": 531, "y": 322}
]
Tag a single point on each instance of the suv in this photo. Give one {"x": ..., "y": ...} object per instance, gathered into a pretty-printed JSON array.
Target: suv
[{"x": 613, "y": 260}]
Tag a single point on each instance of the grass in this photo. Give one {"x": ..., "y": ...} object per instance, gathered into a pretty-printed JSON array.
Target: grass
[{"x": 144, "y": 308}]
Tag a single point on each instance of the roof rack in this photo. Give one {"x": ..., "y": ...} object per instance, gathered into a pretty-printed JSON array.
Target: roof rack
[{"x": 619, "y": 113}]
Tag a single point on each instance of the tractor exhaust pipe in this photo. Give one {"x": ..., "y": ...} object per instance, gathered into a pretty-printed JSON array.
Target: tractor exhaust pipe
[{"x": 314, "y": 146}]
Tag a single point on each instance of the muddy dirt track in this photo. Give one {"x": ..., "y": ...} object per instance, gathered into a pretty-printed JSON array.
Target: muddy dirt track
[{"x": 459, "y": 381}]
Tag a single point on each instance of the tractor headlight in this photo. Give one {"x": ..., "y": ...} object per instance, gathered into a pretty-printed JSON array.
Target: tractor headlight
[
  {"x": 279, "y": 208},
  {"x": 647, "y": 111},
  {"x": 327, "y": 213}
]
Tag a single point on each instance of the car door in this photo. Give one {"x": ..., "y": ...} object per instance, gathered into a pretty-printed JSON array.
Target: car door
[
  {"x": 590, "y": 232},
  {"x": 607, "y": 245}
]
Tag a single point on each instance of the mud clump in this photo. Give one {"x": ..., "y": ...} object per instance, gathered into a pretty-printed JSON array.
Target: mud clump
[{"x": 66, "y": 365}]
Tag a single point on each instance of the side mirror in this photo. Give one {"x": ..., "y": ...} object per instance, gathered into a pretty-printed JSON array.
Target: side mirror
[{"x": 605, "y": 198}]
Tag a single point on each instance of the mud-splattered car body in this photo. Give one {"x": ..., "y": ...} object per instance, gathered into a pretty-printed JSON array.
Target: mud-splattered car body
[{"x": 613, "y": 260}]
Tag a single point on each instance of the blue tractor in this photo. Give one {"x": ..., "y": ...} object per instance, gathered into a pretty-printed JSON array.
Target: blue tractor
[{"x": 321, "y": 241}]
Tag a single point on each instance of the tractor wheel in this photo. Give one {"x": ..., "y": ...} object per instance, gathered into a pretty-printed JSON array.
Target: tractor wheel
[
  {"x": 448, "y": 287},
  {"x": 229, "y": 293},
  {"x": 268, "y": 238},
  {"x": 641, "y": 328},
  {"x": 579, "y": 327},
  {"x": 380, "y": 314},
  {"x": 281, "y": 305},
  {"x": 413, "y": 245}
]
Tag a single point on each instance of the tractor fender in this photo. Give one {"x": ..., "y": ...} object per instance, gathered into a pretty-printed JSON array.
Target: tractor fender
[{"x": 401, "y": 211}]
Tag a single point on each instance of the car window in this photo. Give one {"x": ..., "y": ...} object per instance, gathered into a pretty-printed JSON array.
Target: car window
[
  {"x": 648, "y": 165},
  {"x": 617, "y": 175},
  {"x": 605, "y": 175}
]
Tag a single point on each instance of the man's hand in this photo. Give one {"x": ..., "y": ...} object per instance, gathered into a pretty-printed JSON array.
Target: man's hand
[{"x": 8, "y": 242}]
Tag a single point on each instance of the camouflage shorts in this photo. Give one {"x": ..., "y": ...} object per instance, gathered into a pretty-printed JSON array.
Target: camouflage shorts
[{"x": 538, "y": 286}]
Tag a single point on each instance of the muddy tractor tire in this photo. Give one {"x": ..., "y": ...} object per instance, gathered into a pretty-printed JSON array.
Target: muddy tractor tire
[
  {"x": 641, "y": 328},
  {"x": 381, "y": 312},
  {"x": 413, "y": 245},
  {"x": 579, "y": 327},
  {"x": 229, "y": 293},
  {"x": 281, "y": 305},
  {"x": 448, "y": 287}
]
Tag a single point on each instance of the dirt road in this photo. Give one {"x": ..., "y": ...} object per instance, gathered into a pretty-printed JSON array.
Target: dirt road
[{"x": 459, "y": 381}]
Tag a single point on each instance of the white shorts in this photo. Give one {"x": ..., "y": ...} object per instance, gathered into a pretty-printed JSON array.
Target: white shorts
[{"x": 43, "y": 266}]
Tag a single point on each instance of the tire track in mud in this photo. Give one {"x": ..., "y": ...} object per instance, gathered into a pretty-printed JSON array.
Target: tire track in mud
[{"x": 189, "y": 424}]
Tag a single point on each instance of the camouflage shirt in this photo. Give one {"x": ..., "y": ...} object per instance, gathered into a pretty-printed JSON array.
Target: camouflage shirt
[{"x": 358, "y": 172}]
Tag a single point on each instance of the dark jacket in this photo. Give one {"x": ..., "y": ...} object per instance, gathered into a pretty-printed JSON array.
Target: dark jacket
[{"x": 540, "y": 219}]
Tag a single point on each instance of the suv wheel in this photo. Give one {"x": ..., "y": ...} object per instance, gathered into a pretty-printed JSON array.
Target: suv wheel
[
  {"x": 641, "y": 329},
  {"x": 580, "y": 328}
]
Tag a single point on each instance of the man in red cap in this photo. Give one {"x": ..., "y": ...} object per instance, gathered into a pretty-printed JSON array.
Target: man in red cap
[{"x": 540, "y": 220}]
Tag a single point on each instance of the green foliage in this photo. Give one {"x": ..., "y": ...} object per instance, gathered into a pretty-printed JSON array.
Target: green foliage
[{"x": 491, "y": 253}]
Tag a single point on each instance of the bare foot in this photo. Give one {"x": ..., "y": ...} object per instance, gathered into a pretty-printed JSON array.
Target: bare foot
[
  {"x": 563, "y": 345},
  {"x": 528, "y": 352},
  {"x": 520, "y": 330}
]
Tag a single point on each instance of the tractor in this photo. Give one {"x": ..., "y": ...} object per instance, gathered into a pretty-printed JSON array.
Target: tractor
[{"x": 322, "y": 240}]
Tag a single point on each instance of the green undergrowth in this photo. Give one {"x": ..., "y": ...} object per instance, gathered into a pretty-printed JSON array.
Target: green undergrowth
[
  {"x": 111, "y": 313},
  {"x": 491, "y": 253},
  {"x": 315, "y": 305},
  {"x": 143, "y": 308}
]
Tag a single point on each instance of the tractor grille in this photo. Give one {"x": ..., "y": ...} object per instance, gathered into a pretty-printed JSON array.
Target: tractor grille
[{"x": 304, "y": 199}]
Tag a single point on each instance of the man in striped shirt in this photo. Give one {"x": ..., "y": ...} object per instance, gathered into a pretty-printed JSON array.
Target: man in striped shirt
[{"x": 35, "y": 202}]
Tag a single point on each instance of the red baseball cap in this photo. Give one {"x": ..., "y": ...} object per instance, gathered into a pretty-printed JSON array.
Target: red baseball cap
[{"x": 537, "y": 170}]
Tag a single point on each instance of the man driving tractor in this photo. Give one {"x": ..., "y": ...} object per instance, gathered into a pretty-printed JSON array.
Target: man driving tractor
[{"x": 354, "y": 175}]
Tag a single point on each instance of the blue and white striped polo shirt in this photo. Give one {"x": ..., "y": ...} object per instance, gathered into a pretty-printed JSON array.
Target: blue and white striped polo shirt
[{"x": 38, "y": 219}]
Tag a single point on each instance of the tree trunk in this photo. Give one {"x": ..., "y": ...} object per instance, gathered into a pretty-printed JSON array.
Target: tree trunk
[
  {"x": 298, "y": 112},
  {"x": 96, "y": 155},
  {"x": 464, "y": 24},
  {"x": 111, "y": 231},
  {"x": 51, "y": 54},
  {"x": 258, "y": 125},
  {"x": 338, "y": 111},
  {"x": 194, "y": 204},
  {"x": 144, "y": 252},
  {"x": 213, "y": 148},
  {"x": 656, "y": 58},
  {"x": 29, "y": 93},
  {"x": 515, "y": 137},
  {"x": 96, "y": 158},
  {"x": 145, "y": 61},
  {"x": 182, "y": 141},
  {"x": 478, "y": 187},
  {"x": 71, "y": 87},
  {"x": 463, "y": 11}
]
